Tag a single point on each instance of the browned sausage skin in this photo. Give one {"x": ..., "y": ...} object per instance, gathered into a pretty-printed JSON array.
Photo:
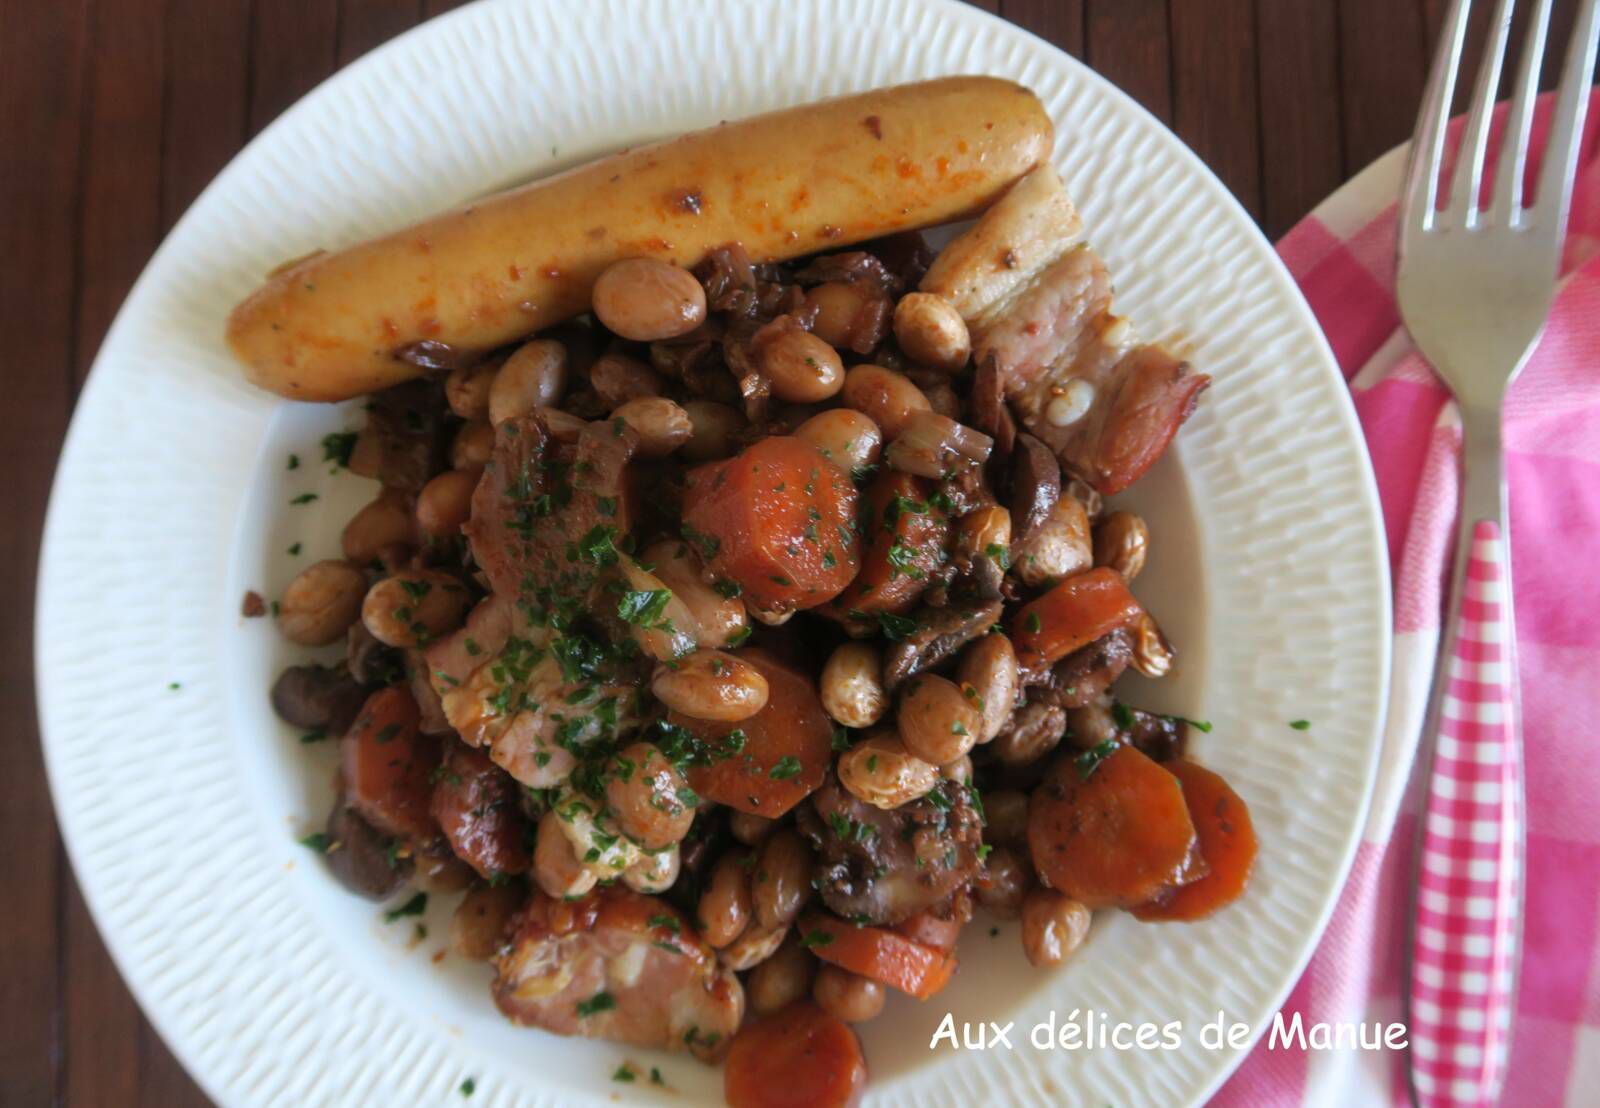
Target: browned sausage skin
[{"x": 784, "y": 184}]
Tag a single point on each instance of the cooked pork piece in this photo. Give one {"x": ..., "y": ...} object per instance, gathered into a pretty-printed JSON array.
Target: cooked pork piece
[
  {"x": 1038, "y": 304},
  {"x": 545, "y": 512},
  {"x": 877, "y": 866},
  {"x": 404, "y": 441},
  {"x": 1026, "y": 230},
  {"x": 1082, "y": 676},
  {"x": 618, "y": 965},
  {"x": 501, "y": 682},
  {"x": 940, "y": 633}
]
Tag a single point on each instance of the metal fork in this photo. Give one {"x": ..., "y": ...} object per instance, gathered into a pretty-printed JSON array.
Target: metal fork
[{"x": 1477, "y": 275}]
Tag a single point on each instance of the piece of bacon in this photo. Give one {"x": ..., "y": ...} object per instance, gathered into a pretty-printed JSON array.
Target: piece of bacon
[
  {"x": 1038, "y": 304},
  {"x": 618, "y": 965}
]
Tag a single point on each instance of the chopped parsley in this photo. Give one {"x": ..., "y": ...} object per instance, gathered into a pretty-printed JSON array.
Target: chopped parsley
[
  {"x": 596, "y": 547},
  {"x": 1090, "y": 759},
  {"x": 903, "y": 559},
  {"x": 413, "y": 907},
  {"x": 601, "y": 1001},
  {"x": 669, "y": 922},
  {"x": 707, "y": 545},
  {"x": 294, "y": 461},
  {"x": 316, "y": 841},
  {"x": 623, "y": 1074},
  {"x": 849, "y": 829},
  {"x": 643, "y": 607},
  {"x": 902, "y": 505},
  {"x": 1122, "y": 716},
  {"x": 684, "y": 748},
  {"x": 468, "y": 1087},
  {"x": 738, "y": 637},
  {"x": 816, "y": 938},
  {"x": 1032, "y": 624},
  {"x": 788, "y": 766},
  {"x": 727, "y": 588},
  {"x": 1297, "y": 724},
  {"x": 304, "y": 498},
  {"x": 896, "y": 627},
  {"x": 337, "y": 447}
]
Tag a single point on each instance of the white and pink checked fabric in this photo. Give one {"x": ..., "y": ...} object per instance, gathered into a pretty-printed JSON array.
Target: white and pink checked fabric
[
  {"x": 1343, "y": 258},
  {"x": 1463, "y": 968}
]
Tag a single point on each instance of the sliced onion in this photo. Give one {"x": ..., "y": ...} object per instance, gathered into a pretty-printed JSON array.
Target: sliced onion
[{"x": 932, "y": 445}]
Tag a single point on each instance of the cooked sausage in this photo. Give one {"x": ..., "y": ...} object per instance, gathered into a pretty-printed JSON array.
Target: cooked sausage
[
  {"x": 481, "y": 276},
  {"x": 661, "y": 984}
]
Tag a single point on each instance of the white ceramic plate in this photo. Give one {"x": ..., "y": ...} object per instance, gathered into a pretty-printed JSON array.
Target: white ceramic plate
[{"x": 181, "y": 805}]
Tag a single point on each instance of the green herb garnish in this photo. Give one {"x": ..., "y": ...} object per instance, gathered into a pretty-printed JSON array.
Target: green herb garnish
[
  {"x": 601, "y": 1001},
  {"x": 413, "y": 907},
  {"x": 337, "y": 447},
  {"x": 1090, "y": 759}
]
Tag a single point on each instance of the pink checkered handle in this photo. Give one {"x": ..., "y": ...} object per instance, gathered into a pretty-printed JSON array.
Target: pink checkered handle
[{"x": 1466, "y": 929}]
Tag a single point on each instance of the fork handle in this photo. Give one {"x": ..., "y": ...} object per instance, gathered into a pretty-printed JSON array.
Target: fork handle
[{"x": 1466, "y": 923}]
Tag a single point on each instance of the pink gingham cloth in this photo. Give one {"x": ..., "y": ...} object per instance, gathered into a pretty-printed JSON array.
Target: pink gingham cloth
[{"x": 1343, "y": 258}]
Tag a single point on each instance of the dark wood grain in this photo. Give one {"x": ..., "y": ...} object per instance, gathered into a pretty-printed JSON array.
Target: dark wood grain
[
  {"x": 1383, "y": 62},
  {"x": 119, "y": 225},
  {"x": 43, "y": 56},
  {"x": 1128, "y": 42},
  {"x": 207, "y": 93},
  {"x": 1060, "y": 22},
  {"x": 115, "y": 114},
  {"x": 364, "y": 24},
  {"x": 1215, "y": 108},
  {"x": 293, "y": 45},
  {"x": 120, "y": 204},
  {"x": 1302, "y": 147}
]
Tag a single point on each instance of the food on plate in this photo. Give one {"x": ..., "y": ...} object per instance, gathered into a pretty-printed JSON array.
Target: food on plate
[
  {"x": 735, "y": 623},
  {"x": 797, "y": 1057},
  {"x": 460, "y": 285},
  {"x": 1037, "y": 301}
]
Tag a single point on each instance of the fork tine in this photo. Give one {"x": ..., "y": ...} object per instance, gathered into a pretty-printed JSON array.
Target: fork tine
[
  {"x": 1519, "y": 121},
  {"x": 1467, "y": 185},
  {"x": 1566, "y": 124},
  {"x": 1421, "y": 193}
]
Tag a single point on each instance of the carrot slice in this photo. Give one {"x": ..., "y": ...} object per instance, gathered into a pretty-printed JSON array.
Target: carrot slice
[
  {"x": 386, "y": 763},
  {"x": 1227, "y": 843},
  {"x": 1112, "y": 833},
  {"x": 778, "y": 519},
  {"x": 1074, "y": 614},
  {"x": 783, "y": 751},
  {"x": 905, "y": 537},
  {"x": 797, "y": 1057},
  {"x": 886, "y": 956}
]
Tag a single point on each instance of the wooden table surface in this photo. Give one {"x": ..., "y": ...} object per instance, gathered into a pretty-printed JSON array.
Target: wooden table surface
[{"x": 115, "y": 113}]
